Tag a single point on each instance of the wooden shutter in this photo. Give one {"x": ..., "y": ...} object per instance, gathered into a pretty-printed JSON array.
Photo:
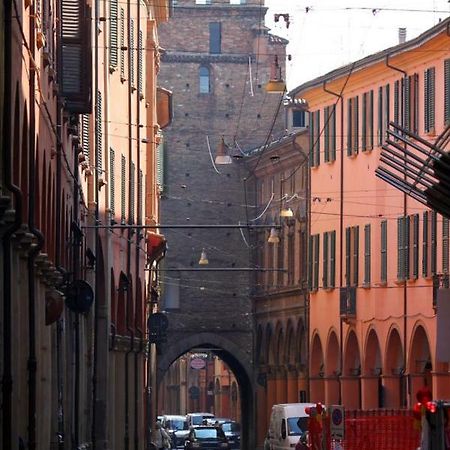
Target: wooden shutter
[
  {"x": 316, "y": 261},
  {"x": 406, "y": 245},
  {"x": 425, "y": 242},
  {"x": 380, "y": 116},
  {"x": 332, "y": 133},
  {"x": 310, "y": 263},
  {"x": 383, "y": 271},
  {"x": 131, "y": 53},
  {"x": 445, "y": 246},
  {"x": 355, "y": 255},
  {"x": 348, "y": 265},
  {"x": 112, "y": 182},
  {"x": 85, "y": 136},
  {"x": 113, "y": 33},
  {"x": 349, "y": 127},
  {"x": 140, "y": 199},
  {"x": 99, "y": 133},
  {"x": 140, "y": 65},
  {"x": 406, "y": 102},
  {"x": 311, "y": 139},
  {"x": 364, "y": 122},
  {"x": 332, "y": 280},
  {"x": 367, "y": 256},
  {"x": 122, "y": 44},
  {"x": 415, "y": 246},
  {"x": 429, "y": 99},
  {"x": 325, "y": 261},
  {"x": 75, "y": 51},
  {"x": 447, "y": 91},
  {"x": 160, "y": 164},
  {"x": 433, "y": 254},
  {"x": 326, "y": 134},
  {"x": 123, "y": 174},
  {"x": 370, "y": 121},
  {"x": 397, "y": 102},
  {"x": 400, "y": 249},
  {"x": 317, "y": 136},
  {"x": 132, "y": 192}
]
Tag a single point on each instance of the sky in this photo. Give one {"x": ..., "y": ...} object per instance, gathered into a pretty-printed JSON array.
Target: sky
[{"x": 326, "y": 34}]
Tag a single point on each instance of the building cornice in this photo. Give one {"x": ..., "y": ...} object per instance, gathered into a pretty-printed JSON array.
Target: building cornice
[{"x": 204, "y": 58}]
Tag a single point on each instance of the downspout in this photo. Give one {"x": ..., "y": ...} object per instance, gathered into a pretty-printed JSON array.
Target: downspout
[
  {"x": 32, "y": 359},
  {"x": 130, "y": 234},
  {"x": 7, "y": 381},
  {"x": 341, "y": 230},
  {"x": 405, "y": 212}
]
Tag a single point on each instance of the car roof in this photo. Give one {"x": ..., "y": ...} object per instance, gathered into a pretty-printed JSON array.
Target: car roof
[{"x": 174, "y": 416}]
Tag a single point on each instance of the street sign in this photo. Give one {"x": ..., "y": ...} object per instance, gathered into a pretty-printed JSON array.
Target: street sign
[
  {"x": 198, "y": 363},
  {"x": 337, "y": 416}
]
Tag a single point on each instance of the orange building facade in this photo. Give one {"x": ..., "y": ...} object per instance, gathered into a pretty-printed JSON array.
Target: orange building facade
[{"x": 374, "y": 252}]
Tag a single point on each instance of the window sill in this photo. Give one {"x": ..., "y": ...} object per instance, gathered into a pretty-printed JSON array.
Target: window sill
[{"x": 366, "y": 285}]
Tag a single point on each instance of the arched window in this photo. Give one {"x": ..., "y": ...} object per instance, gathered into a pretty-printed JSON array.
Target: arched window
[{"x": 204, "y": 80}]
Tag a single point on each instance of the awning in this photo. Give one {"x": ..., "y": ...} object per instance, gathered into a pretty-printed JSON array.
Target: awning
[
  {"x": 164, "y": 109},
  {"x": 156, "y": 245}
]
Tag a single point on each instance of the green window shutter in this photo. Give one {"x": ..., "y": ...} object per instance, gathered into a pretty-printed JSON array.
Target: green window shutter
[
  {"x": 85, "y": 137},
  {"x": 355, "y": 255},
  {"x": 317, "y": 134},
  {"x": 140, "y": 64},
  {"x": 397, "y": 102},
  {"x": 333, "y": 133},
  {"x": 406, "y": 102},
  {"x": 311, "y": 139},
  {"x": 316, "y": 261},
  {"x": 310, "y": 263},
  {"x": 407, "y": 254},
  {"x": 326, "y": 149},
  {"x": 140, "y": 199},
  {"x": 123, "y": 175},
  {"x": 325, "y": 261},
  {"x": 355, "y": 147},
  {"x": 429, "y": 100},
  {"x": 445, "y": 246},
  {"x": 447, "y": 92},
  {"x": 415, "y": 244},
  {"x": 370, "y": 119},
  {"x": 364, "y": 123},
  {"x": 99, "y": 133},
  {"x": 425, "y": 242},
  {"x": 380, "y": 116},
  {"x": 131, "y": 53},
  {"x": 383, "y": 271},
  {"x": 367, "y": 255},
  {"x": 113, "y": 33},
  {"x": 415, "y": 102},
  {"x": 132, "y": 191},
  {"x": 332, "y": 280},
  {"x": 400, "y": 249},
  {"x": 112, "y": 196},
  {"x": 349, "y": 127},
  {"x": 122, "y": 44},
  {"x": 348, "y": 265},
  {"x": 433, "y": 256}
]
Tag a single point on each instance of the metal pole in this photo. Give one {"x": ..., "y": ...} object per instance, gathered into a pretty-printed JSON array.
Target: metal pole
[{"x": 168, "y": 226}]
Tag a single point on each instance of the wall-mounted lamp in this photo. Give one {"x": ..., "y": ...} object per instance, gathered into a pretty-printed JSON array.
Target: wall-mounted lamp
[
  {"x": 276, "y": 84},
  {"x": 203, "y": 261},
  {"x": 274, "y": 237},
  {"x": 222, "y": 156}
]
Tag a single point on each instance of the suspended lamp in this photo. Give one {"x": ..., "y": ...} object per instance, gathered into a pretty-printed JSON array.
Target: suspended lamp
[
  {"x": 203, "y": 261},
  {"x": 286, "y": 212},
  {"x": 222, "y": 156},
  {"x": 274, "y": 237},
  {"x": 276, "y": 84}
]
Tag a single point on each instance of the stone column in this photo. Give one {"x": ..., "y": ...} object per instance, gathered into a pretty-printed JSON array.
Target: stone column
[
  {"x": 369, "y": 391},
  {"x": 292, "y": 395},
  {"x": 317, "y": 389},
  {"x": 391, "y": 391},
  {"x": 441, "y": 384},
  {"x": 350, "y": 387},
  {"x": 332, "y": 387}
]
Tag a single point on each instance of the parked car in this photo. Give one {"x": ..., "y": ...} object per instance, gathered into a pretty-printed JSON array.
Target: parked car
[
  {"x": 232, "y": 431},
  {"x": 197, "y": 418},
  {"x": 207, "y": 437},
  {"x": 177, "y": 427}
]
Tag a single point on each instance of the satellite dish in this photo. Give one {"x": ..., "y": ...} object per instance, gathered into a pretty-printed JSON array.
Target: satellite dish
[{"x": 79, "y": 296}]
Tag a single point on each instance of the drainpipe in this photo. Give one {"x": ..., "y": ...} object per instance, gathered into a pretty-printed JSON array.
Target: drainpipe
[
  {"x": 7, "y": 381},
  {"x": 341, "y": 229},
  {"x": 32, "y": 358},
  {"x": 405, "y": 212}
]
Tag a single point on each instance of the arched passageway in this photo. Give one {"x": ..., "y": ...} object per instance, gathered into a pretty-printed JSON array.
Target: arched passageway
[
  {"x": 316, "y": 379},
  {"x": 351, "y": 380},
  {"x": 332, "y": 370},
  {"x": 371, "y": 388},
  {"x": 393, "y": 375}
]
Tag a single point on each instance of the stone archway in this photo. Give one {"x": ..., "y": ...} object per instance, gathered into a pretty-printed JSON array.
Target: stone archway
[
  {"x": 317, "y": 387},
  {"x": 237, "y": 360},
  {"x": 393, "y": 373},
  {"x": 371, "y": 388},
  {"x": 420, "y": 364},
  {"x": 351, "y": 381}
]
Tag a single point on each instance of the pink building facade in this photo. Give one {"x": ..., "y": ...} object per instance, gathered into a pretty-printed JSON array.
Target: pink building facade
[{"x": 374, "y": 252}]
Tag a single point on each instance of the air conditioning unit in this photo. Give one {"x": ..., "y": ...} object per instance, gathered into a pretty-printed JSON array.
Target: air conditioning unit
[{"x": 347, "y": 296}]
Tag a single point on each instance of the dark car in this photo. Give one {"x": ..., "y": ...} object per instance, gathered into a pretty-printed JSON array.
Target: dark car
[
  {"x": 207, "y": 437},
  {"x": 177, "y": 427},
  {"x": 232, "y": 431}
]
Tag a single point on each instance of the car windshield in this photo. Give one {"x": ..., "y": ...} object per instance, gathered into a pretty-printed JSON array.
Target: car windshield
[
  {"x": 209, "y": 433},
  {"x": 177, "y": 424},
  {"x": 297, "y": 425},
  {"x": 231, "y": 427}
]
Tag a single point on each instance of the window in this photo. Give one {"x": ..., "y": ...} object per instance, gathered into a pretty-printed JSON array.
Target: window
[
  {"x": 411, "y": 112},
  {"x": 329, "y": 153},
  {"x": 313, "y": 267},
  {"x": 140, "y": 63},
  {"x": 113, "y": 36},
  {"x": 329, "y": 259},
  {"x": 398, "y": 99},
  {"x": 160, "y": 165},
  {"x": 122, "y": 44},
  {"x": 237, "y": 2},
  {"x": 383, "y": 112},
  {"x": 429, "y": 244},
  {"x": 403, "y": 248},
  {"x": 132, "y": 191},
  {"x": 131, "y": 53},
  {"x": 215, "y": 38},
  {"x": 367, "y": 122},
  {"x": 204, "y": 80},
  {"x": 85, "y": 141},
  {"x": 352, "y": 126},
  {"x": 202, "y": 2},
  {"x": 367, "y": 245},
  {"x": 298, "y": 119},
  {"x": 352, "y": 255},
  {"x": 314, "y": 138},
  {"x": 445, "y": 246},
  {"x": 414, "y": 245},
  {"x": 429, "y": 115},
  {"x": 447, "y": 91},
  {"x": 140, "y": 199},
  {"x": 383, "y": 271},
  {"x": 112, "y": 194},
  {"x": 123, "y": 175},
  {"x": 98, "y": 133}
]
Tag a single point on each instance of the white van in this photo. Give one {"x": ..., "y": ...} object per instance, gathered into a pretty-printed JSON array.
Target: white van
[{"x": 288, "y": 422}]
